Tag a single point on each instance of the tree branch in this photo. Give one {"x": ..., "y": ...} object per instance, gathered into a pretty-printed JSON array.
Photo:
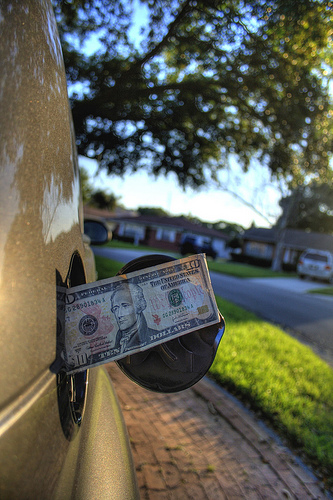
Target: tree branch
[
  {"x": 172, "y": 28},
  {"x": 245, "y": 202}
]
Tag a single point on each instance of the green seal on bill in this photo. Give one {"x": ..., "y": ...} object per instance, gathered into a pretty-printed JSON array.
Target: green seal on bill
[{"x": 175, "y": 297}]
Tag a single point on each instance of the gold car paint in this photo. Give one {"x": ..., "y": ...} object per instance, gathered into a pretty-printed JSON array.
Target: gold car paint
[
  {"x": 41, "y": 229},
  {"x": 101, "y": 460}
]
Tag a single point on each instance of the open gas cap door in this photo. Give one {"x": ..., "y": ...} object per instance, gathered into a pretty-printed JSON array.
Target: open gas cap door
[{"x": 179, "y": 363}]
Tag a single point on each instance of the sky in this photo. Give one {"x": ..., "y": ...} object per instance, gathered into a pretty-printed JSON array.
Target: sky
[{"x": 210, "y": 204}]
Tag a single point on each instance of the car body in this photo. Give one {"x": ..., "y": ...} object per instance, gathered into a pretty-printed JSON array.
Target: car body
[
  {"x": 61, "y": 436},
  {"x": 192, "y": 245},
  {"x": 316, "y": 264}
]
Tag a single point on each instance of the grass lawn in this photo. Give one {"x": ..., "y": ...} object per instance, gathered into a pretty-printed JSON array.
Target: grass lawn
[
  {"x": 245, "y": 270},
  {"x": 282, "y": 380},
  {"x": 323, "y": 291},
  {"x": 107, "y": 267}
]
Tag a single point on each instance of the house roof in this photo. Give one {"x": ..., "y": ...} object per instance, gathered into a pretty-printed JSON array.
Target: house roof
[
  {"x": 260, "y": 234},
  {"x": 301, "y": 239},
  {"x": 292, "y": 238}
]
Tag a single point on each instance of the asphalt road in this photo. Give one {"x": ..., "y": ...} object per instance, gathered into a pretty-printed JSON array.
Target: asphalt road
[{"x": 284, "y": 302}]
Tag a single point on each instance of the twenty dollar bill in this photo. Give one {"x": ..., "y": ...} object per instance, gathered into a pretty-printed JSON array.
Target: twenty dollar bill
[{"x": 110, "y": 319}]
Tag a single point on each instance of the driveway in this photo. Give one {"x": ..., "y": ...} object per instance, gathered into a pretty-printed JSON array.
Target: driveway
[{"x": 202, "y": 444}]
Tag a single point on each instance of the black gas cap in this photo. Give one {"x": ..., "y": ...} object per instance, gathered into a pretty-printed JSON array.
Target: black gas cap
[{"x": 179, "y": 363}]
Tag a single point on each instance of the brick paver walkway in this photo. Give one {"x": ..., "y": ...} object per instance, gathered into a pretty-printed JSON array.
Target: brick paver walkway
[{"x": 200, "y": 444}]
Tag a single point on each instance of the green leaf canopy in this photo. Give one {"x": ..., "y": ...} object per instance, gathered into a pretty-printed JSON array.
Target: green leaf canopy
[
  {"x": 203, "y": 80},
  {"x": 309, "y": 208}
]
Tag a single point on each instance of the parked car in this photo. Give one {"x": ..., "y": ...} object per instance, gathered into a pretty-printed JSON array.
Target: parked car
[
  {"x": 316, "y": 264},
  {"x": 61, "y": 436},
  {"x": 191, "y": 245}
]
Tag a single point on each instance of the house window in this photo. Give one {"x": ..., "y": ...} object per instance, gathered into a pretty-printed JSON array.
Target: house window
[
  {"x": 260, "y": 250},
  {"x": 131, "y": 230},
  {"x": 166, "y": 235}
]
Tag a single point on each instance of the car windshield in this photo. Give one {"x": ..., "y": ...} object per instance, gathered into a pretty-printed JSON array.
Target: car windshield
[{"x": 316, "y": 256}]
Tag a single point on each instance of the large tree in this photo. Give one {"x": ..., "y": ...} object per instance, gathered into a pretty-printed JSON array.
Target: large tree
[
  {"x": 204, "y": 80},
  {"x": 308, "y": 207},
  {"x": 157, "y": 211}
]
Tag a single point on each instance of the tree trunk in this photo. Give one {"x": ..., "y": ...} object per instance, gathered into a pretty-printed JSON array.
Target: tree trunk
[{"x": 278, "y": 255}]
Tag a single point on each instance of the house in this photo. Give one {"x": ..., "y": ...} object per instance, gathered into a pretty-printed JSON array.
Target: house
[
  {"x": 168, "y": 232},
  {"x": 259, "y": 245},
  {"x": 162, "y": 232}
]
